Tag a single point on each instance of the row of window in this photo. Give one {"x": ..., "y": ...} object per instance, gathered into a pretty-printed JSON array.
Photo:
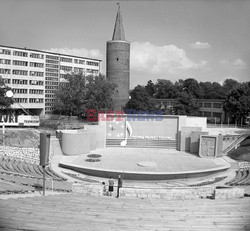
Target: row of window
[
  {"x": 25, "y": 82},
  {"x": 31, "y": 100},
  {"x": 212, "y": 114},
  {"x": 41, "y": 56},
  {"x": 210, "y": 105},
  {"x": 25, "y": 91},
  {"x": 21, "y": 63},
  {"x": 21, "y": 72},
  {"x": 5, "y": 61},
  {"x": 90, "y": 63}
]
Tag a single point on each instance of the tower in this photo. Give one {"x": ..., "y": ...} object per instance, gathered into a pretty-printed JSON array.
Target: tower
[{"x": 118, "y": 59}]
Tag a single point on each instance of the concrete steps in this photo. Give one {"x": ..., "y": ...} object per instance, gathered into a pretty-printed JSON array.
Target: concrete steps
[
  {"x": 143, "y": 143},
  {"x": 76, "y": 212}
]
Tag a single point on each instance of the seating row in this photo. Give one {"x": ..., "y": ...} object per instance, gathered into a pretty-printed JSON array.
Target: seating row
[
  {"x": 35, "y": 182},
  {"x": 242, "y": 177},
  {"x": 8, "y": 188},
  {"x": 27, "y": 169}
]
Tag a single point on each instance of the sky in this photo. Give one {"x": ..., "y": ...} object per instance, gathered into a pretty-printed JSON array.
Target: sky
[{"x": 175, "y": 39}]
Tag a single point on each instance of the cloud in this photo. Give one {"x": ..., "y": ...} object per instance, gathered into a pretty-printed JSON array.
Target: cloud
[
  {"x": 93, "y": 53},
  {"x": 147, "y": 57},
  {"x": 200, "y": 45},
  {"x": 238, "y": 63}
]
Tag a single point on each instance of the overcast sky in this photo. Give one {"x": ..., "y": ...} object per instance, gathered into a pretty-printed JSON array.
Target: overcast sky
[{"x": 205, "y": 40}]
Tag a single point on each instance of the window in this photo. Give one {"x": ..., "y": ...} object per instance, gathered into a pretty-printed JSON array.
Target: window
[
  {"x": 52, "y": 65},
  {"x": 51, "y": 70},
  {"x": 36, "y": 91},
  {"x": 217, "y": 105},
  {"x": 21, "y": 100},
  {"x": 20, "y": 63},
  {"x": 66, "y": 68},
  {"x": 4, "y": 71},
  {"x": 81, "y": 61},
  {"x": 52, "y": 57},
  {"x": 78, "y": 70},
  {"x": 5, "y": 51},
  {"x": 36, "y": 56},
  {"x": 19, "y": 91},
  {"x": 36, "y": 73},
  {"x": 51, "y": 78},
  {"x": 20, "y": 53},
  {"x": 93, "y": 63},
  {"x": 35, "y": 100},
  {"x": 67, "y": 60},
  {"x": 19, "y": 72},
  {"x": 35, "y": 82},
  {"x": 19, "y": 81},
  {"x": 32, "y": 64},
  {"x": 52, "y": 74},
  {"x": 5, "y": 61},
  {"x": 217, "y": 114},
  {"x": 207, "y": 113},
  {"x": 7, "y": 81},
  {"x": 207, "y": 105},
  {"x": 52, "y": 61}
]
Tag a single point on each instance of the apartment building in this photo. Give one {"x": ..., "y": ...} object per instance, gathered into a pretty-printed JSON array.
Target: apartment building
[{"x": 35, "y": 76}]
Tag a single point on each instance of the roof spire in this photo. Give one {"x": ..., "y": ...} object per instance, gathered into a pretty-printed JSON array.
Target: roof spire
[{"x": 118, "y": 30}]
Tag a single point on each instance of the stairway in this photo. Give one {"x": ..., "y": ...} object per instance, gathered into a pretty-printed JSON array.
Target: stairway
[
  {"x": 235, "y": 144},
  {"x": 143, "y": 143}
]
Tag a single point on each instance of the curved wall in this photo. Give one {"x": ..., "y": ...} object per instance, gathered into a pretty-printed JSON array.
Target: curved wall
[{"x": 75, "y": 142}]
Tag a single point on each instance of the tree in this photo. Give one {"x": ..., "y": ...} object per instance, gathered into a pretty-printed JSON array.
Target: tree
[
  {"x": 192, "y": 87},
  {"x": 165, "y": 89},
  {"x": 140, "y": 100},
  {"x": 237, "y": 103},
  {"x": 229, "y": 85},
  {"x": 99, "y": 93},
  {"x": 150, "y": 88},
  {"x": 211, "y": 90},
  {"x": 186, "y": 105},
  {"x": 5, "y": 102},
  {"x": 80, "y": 93}
]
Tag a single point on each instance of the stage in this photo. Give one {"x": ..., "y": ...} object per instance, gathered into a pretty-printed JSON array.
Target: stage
[{"x": 143, "y": 164}]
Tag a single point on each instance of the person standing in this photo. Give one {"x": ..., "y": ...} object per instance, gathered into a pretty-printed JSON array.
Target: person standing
[
  {"x": 119, "y": 185},
  {"x": 111, "y": 186}
]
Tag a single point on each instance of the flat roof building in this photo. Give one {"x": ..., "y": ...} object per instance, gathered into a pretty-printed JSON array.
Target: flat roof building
[{"x": 35, "y": 75}]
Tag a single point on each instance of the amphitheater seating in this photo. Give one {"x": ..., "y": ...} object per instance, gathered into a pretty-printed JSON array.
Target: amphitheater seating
[
  {"x": 7, "y": 188},
  {"x": 144, "y": 143},
  {"x": 76, "y": 212},
  {"x": 26, "y": 174},
  {"x": 241, "y": 178}
]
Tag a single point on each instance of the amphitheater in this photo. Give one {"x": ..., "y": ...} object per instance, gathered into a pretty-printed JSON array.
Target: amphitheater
[{"x": 73, "y": 199}]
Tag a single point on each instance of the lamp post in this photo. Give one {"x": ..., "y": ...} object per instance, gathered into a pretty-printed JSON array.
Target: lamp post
[{"x": 8, "y": 94}]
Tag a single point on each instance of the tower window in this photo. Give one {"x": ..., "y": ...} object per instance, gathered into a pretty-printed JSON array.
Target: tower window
[{"x": 117, "y": 59}]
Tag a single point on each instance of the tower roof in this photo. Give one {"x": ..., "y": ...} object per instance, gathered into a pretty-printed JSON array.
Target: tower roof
[{"x": 118, "y": 30}]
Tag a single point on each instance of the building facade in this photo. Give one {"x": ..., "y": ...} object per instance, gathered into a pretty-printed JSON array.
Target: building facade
[
  {"x": 34, "y": 76},
  {"x": 210, "y": 108},
  {"x": 118, "y": 63}
]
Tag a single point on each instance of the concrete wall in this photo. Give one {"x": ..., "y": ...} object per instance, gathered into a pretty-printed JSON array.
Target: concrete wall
[
  {"x": 196, "y": 122},
  {"x": 75, "y": 142},
  {"x": 195, "y": 141},
  {"x": 185, "y": 137}
]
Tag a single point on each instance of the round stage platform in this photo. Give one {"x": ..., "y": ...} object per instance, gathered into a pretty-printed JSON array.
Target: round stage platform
[{"x": 143, "y": 164}]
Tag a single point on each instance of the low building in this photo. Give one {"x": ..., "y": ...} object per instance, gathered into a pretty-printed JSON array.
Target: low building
[
  {"x": 210, "y": 108},
  {"x": 35, "y": 76}
]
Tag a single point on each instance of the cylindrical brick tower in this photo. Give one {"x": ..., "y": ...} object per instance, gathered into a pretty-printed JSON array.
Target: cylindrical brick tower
[{"x": 118, "y": 59}]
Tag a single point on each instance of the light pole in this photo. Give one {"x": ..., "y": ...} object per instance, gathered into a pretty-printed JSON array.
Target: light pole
[{"x": 8, "y": 94}]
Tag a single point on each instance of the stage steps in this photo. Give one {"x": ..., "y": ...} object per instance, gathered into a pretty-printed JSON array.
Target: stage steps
[{"x": 143, "y": 143}]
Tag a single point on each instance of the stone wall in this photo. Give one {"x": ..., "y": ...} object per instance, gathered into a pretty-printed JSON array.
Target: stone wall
[{"x": 30, "y": 155}]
